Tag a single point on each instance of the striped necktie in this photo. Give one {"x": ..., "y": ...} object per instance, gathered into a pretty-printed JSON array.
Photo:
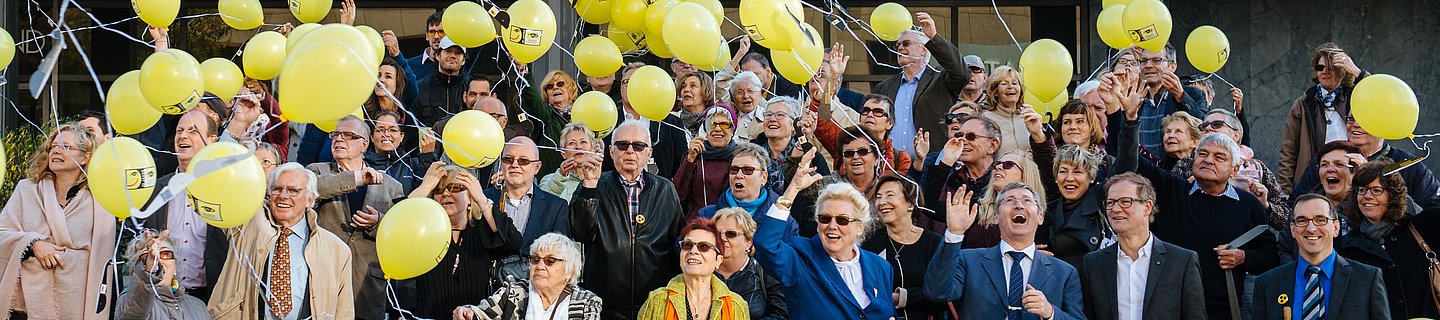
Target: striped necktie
[
  {"x": 1017, "y": 285},
  {"x": 1314, "y": 305}
]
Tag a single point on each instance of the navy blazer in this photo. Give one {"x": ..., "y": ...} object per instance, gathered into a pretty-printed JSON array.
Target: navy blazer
[
  {"x": 1357, "y": 291},
  {"x": 548, "y": 213},
  {"x": 809, "y": 277},
  {"x": 977, "y": 280}
]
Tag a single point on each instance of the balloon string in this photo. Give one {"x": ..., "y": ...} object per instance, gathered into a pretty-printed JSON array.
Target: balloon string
[
  {"x": 1103, "y": 64},
  {"x": 1222, "y": 79},
  {"x": 395, "y": 300},
  {"x": 868, "y": 29},
  {"x": 1006, "y": 25}
]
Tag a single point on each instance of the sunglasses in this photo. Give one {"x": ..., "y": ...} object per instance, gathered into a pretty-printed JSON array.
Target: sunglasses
[
  {"x": 452, "y": 188},
  {"x": 731, "y": 234},
  {"x": 854, "y": 153},
  {"x": 971, "y": 136},
  {"x": 878, "y": 112},
  {"x": 744, "y": 170},
  {"x": 841, "y": 220},
  {"x": 631, "y": 145},
  {"x": 344, "y": 136},
  {"x": 688, "y": 245},
  {"x": 1006, "y": 165},
  {"x": 549, "y": 261},
  {"x": 434, "y": 33},
  {"x": 517, "y": 161},
  {"x": 953, "y": 117},
  {"x": 1214, "y": 125},
  {"x": 722, "y": 125},
  {"x": 560, "y": 84},
  {"x": 1321, "y": 67},
  {"x": 166, "y": 255}
]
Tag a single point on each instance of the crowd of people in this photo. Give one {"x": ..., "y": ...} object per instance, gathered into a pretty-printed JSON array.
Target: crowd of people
[{"x": 940, "y": 194}]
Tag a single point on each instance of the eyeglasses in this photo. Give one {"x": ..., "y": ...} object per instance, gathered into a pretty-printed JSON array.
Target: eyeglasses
[
  {"x": 971, "y": 136},
  {"x": 1127, "y": 62},
  {"x": 744, "y": 170},
  {"x": 560, "y": 84},
  {"x": 344, "y": 136},
  {"x": 1124, "y": 202},
  {"x": 549, "y": 261},
  {"x": 166, "y": 255},
  {"x": 451, "y": 188},
  {"x": 1215, "y": 125},
  {"x": 497, "y": 116},
  {"x": 1305, "y": 222},
  {"x": 730, "y": 234},
  {"x": 776, "y": 114},
  {"x": 1151, "y": 61},
  {"x": 435, "y": 33},
  {"x": 1321, "y": 67},
  {"x": 1371, "y": 191},
  {"x": 1006, "y": 165},
  {"x": 688, "y": 245},
  {"x": 878, "y": 112},
  {"x": 1022, "y": 201},
  {"x": 631, "y": 145},
  {"x": 517, "y": 161},
  {"x": 854, "y": 153},
  {"x": 285, "y": 191},
  {"x": 905, "y": 43},
  {"x": 387, "y": 130},
  {"x": 954, "y": 117},
  {"x": 840, "y": 219},
  {"x": 721, "y": 125}
]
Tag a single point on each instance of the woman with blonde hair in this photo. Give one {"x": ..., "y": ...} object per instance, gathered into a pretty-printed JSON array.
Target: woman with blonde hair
[
  {"x": 1012, "y": 166},
  {"x": 1005, "y": 105},
  {"x": 548, "y": 107},
  {"x": 740, "y": 272},
  {"x": 56, "y": 240},
  {"x": 1181, "y": 132},
  {"x": 478, "y": 238}
]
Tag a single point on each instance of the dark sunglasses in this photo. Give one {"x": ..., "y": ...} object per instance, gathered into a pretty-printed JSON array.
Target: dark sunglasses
[
  {"x": 452, "y": 188},
  {"x": 1006, "y": 165},
  {"x": 953, "y": 117},
  {"x": 704, "y": 247},
  {"x": 853, "y": 153},
  {"x": 549, "y": 261},
  {"x": 731, "y": 234},
  {"x": 1214, "y": 125},
  {"x": 517, "y": 161},
  {"x": 631, "y": 145},
  {"x": 971, "y": 136},
  {"x": 745, "y": 170},
  {"x": 1321, "y": 67},
  {"x": 554, "y": 85},
  {"x": 841, "y": 220},
  {"x": 878, "y": 112}
]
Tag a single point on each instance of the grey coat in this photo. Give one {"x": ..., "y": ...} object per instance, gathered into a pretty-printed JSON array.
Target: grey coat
[
  {"x": 142, "y": 301},
  {"x": 334, "y": 214}
]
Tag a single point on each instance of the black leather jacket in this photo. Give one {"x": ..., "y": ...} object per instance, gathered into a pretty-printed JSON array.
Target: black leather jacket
[
  {"x": 761, "y": 291},
  {"x": 627, "y": 256}
]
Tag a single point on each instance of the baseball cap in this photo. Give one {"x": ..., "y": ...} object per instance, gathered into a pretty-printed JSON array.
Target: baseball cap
[
  {"x": 446, "y": 43},
  {"x": 972, "y": 61}
]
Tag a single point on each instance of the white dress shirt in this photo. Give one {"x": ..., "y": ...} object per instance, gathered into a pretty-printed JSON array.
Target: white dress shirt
[
  {"x": 1025, "y": 264},
  {"x": 1131, "y": 274},
  {"x": 854, "y": 279}
]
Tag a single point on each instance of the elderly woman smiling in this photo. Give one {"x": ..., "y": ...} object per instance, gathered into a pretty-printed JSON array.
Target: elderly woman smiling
[
  {"x": 555, "y": 264},
  {"x": 828, "y": 269},
  {"x": 696, "y": 292}
]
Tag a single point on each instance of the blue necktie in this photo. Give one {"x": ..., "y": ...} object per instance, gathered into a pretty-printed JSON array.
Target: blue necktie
[
  {"x": 1017, "y": 285},
  {"x": 1314, "y": 304}
]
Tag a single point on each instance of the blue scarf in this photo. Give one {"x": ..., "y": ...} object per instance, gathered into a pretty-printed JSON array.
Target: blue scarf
[
  {"x": 1327, "y": 98},
  {"x": 749, "y": 206}
]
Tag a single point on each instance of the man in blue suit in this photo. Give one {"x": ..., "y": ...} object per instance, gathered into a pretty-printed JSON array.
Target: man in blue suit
[
  {"x": 1319, "y": 284},
  {"x": 1009, "y": 281}
]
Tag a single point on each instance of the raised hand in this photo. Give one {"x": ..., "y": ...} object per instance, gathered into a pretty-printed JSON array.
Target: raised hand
[
  {"x": 1109, "y": 92},
  {"x": 959, "y": 212},
  {"x": 922, "y": 148},
  {"x": 927, "y": 25},
  {"x": 1171, "y": 83},
  {"x": 1131, "y": 92},
  {"x": 952, "y": 150},
  {"x": 1033, "y": 122},
  {"x": 697, "y": 146},
  {"x": 392, "y": 43},
  {"x": 804, "y": 175},
  {"x": 589, "y": 170},
  {"x": 837, "y": 60},
  {"x": 347, "y": 12},
  {"x": 1239, "y": 97}
]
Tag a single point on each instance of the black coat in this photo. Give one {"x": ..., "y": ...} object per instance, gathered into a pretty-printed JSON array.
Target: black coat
[
  {"x": 759, "y": 290},
  {"x": 439, "y": 96},
  {"x": 1357, "y": 291},
  {"x": 627, "y": 256},
  {"x": 937, "y": 91},
  {"x": 548, "y": 213},
  {"x": 1073, "y": 233},
  {"x": 1402, "y": 262}
]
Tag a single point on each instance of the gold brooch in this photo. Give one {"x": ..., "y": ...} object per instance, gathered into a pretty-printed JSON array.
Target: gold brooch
[
  {"x": 640, "y": 218},
  {"x": 1284, "y": 298}
]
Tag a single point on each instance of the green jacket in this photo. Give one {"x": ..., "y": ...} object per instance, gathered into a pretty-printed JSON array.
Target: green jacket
[{"x": 669, "y": 302}]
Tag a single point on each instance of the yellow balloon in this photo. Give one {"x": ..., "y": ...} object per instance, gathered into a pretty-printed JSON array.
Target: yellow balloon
[
  {"x": 1148, "y": 24},
  {"x": 1385, "y": 107},
  {"x": 242, "y": 14},
  {"x": 624, "y": 40},
  {"x": 1207, "y": 48},
  {"x": 468, "y": 24},
  {"x": 697, "y": 34},
  {"x": 597, "y": 56},
  {"x": 1046, "y": 108},
  {"x": 655, "y": 16},
  {"x": 1046, "y": 68},
  {"x": 230, "y": 196},
  {"x": 376, "y": 42},
  {"x": 596, "y": 110},
  {"x": 171, "y": 81},
  {"x": 292, "y": 41},
  {"x": 263, "y": 55},
  {"x": 722, "y": 59},
  {"x": 412, "y": 238},
  {"x": 156, "y": 13},
  {"x": 354, "y": 39},
  {"x": 770, "y": 23},
  {"x": 656, "y": 43},
  {"x": 889, "y": 19},
  {"x": 473, "y": 139},
  {"x": 651, "y": 92},
  {"x": 1111, "y": 3},
  {"x": 121, "y": 175},
  {"x": 594, "y": 11},
  {"x": 310, "y": 11},
  {"x": 802, "y": 62},
  {"x": 222, "y": 77},
  {"x": 629, "y": 10},
  {"x": 531, "y": 31},
  {"x": 126, "y": 107},
  {"x": 329, "y": 126},
  {"x": 324, "y": 81},
  {"x": 1109, "y": 26},
  {"x": 712, "y": 6},
  {"x": 7, "y": 48}
]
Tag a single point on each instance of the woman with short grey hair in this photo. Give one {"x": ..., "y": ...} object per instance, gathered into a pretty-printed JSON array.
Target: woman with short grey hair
[
  {"x": 154, "y": 292},
  {"x": 577, "y": 141},
  {"x": 555, "y": 267}
]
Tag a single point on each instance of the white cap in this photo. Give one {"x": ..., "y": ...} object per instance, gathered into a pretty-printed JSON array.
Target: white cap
[{"x": 446, "y": 43}]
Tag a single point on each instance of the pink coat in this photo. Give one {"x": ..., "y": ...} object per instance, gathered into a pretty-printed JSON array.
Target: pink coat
[{"x": 83, "y": 227}]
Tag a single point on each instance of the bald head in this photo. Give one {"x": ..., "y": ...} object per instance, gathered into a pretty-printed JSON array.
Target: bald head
[
  {"x": 494, "y": 107},
  {"x": 523, "y": 147},
  {"x": 521, "y": 162}
]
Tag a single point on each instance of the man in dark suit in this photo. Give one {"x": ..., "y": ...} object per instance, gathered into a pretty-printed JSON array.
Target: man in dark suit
[
  {"x": 1319, "y": 284},
  {"x": 200, "y": 248},
  {"x": 534, "y": 211},
  {"x": 1121, "y": 282},
  {"x": 921, "y": 95},
  {"x": 1009, "y": 281}
]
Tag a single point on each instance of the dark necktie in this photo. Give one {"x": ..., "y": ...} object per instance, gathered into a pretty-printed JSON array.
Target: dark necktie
[
  {"x": 1314, "y": 305},
  {"x": 1017, "y": 285}
]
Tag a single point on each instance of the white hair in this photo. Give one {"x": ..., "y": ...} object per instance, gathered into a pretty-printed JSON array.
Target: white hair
[
  {"x": 792, "y": 106},
  {"x": 848, "y": 193},
  {"x": 1223, "y": 141},
  {"x": 1086, "y": 88},
  {"x": 747, "y": 77},
  {"x": 564, "y": 249},
  {"x": 923, "y": 39},
  {"x": 310, "y": 179},
  {"x": 630, "y": 123}
]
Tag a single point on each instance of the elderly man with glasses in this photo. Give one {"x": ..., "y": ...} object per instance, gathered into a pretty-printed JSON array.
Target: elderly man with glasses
[
  {"x": 352, "y": 197},
  {"x": 919, "y": 92},
  {"x": 534, "y": 211}
]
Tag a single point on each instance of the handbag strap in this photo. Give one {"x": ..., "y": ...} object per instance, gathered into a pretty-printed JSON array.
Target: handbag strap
[{"x": 1429, "y": 254}]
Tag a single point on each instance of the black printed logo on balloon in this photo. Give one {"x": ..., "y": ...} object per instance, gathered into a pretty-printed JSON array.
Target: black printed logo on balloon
[
  {"x": 1144, "y": 33},
  {"x": 207, "y": 210},
  {"x": 523, "y": 36}
]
